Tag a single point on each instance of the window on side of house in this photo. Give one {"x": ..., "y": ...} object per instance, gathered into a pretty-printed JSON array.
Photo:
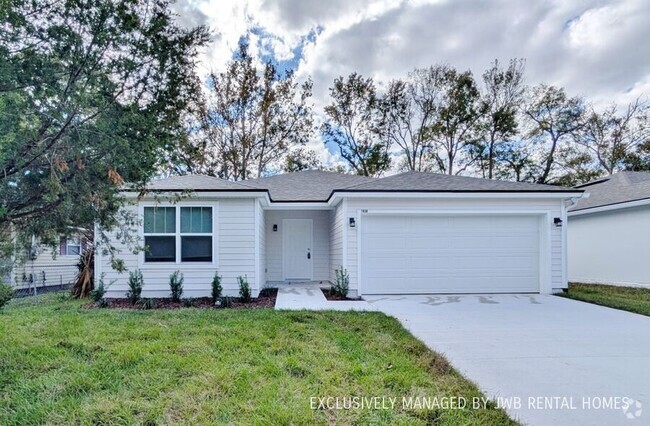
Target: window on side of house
[
  {"x": 160, "y": 234},
  {"x": 71, "y": 246},
  {"x": 196, "y": 234},
  {"x": 194, "y": 238}
]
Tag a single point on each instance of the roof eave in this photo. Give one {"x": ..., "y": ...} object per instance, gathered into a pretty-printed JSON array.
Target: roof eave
[
  {"x": 558, "y": 194},
  {"x": 610, "y": 207}
]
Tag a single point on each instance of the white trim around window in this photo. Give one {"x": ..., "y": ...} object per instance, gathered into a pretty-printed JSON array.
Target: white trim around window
[
  {"x": 178, "y": 235},
  {"x": 73, "y": 241}
]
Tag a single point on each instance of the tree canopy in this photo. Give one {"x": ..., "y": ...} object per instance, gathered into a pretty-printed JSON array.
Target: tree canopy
[{"x": 92, "y": 95}]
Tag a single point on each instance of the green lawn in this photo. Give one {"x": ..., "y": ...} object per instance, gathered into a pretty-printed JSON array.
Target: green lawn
[
  {"x": 631, "y": 299},
  {"x": 61, "y": 363}
]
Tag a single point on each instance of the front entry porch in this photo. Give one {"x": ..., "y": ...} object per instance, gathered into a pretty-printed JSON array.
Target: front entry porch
[{"x": 297, "y": 247}]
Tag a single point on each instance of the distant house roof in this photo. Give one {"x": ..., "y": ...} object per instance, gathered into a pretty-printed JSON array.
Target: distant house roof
[
  {"x": 318, "y": 186},
  {"x": 622, "y": 187}
]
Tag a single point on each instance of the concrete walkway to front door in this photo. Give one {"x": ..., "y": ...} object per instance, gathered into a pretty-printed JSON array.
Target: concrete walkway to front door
[{"x": 310, "y": 296}]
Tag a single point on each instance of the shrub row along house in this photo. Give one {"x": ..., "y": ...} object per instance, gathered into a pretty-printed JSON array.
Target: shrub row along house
[{"x": 407, "y": 233}]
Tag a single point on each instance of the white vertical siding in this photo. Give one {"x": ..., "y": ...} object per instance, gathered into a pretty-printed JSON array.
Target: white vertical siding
[
  {"x": 553, "y": 207},
  {"x": 235, "y": 251},
  {"x": 261, "y": 246},
  {"x": 321, "y": 241},
  {"x": 336, "y": 240},
  {"x": 610, "y": 247}
]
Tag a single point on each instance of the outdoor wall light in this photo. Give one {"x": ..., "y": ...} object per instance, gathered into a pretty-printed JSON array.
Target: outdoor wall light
[
  {"x": 557, "y": 222},
  {"x": 353, "y": 223},
  {"x": 275, "y": 228}
]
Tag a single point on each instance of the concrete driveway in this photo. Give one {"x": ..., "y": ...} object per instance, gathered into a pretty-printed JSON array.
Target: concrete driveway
[{"x": 579, "y": 362}]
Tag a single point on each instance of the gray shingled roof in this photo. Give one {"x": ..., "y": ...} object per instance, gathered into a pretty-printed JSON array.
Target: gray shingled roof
[
  {"x": 433, "y": 182},
  {"x": 618, "y": 188},
  {"x": 318, "y": 186},
  {"x": 195, "y": 183},
  {"x": 307, "y": 185}
]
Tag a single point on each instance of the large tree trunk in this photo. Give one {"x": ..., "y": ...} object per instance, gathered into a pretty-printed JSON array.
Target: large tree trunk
[{"x": 83, "y": 283}]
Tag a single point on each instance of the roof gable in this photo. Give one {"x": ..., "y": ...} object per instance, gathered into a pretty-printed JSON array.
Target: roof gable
[{"x": 307, "y": 185}]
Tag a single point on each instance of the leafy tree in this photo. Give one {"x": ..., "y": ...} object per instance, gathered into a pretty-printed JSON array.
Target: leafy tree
[
  {"x": 301, "y": 159},
  {"x": 514, "y": 162},
  {"x": 91, "y": 96},
  {"x": 639, "y": 160},
  {"x": 252, "y": 120},
  {"x": 352, "y": 125},
  {"x": 553, "y": 118},
  {"x": 459, "y": 111},
  {"x": 613, "y": 138},
  {"x": 502, "y": 96},
  {"x": 408, "y": 112}
]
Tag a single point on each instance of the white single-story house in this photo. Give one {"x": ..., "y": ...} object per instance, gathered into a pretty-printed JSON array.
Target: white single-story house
[
  {"x": 417, "y": 233},
  {"x": 609, "y": 232}
]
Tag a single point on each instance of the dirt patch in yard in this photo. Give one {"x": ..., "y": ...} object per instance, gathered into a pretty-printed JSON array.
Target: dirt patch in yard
[
  {"x": 334, "y": 296},
  {"x": 266, "y": 299}
]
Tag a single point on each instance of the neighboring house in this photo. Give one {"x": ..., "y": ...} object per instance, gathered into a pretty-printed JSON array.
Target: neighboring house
[
  {"x": 609, "y": 232},
  {"x": 407, "y": 233},
  {"x": 45, "y": 268}
]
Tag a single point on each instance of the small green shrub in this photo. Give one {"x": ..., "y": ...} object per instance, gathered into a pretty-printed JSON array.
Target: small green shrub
[
  {"x": 98, "y": 292},
  {"x": 216, "y": 288},
  {"x": 6, "y": 294},
  {"x": 342, "y": 285},
  {"x": 244, "y": 289},
  {"x": 176, "y": 285},
  {"x": 188, "y": 302},
  {"x": 136, "y": 282}
]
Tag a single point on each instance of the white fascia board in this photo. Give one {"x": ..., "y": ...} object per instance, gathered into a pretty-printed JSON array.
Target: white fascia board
[
  {"x": 300, "y": 206},
  {"x": 180, "y": 195},
  {"x": 611, "y": 207},
  {"x": 473, "y": 195}
]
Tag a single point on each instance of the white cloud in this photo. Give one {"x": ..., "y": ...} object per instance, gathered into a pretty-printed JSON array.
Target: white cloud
[{"x": 595, "y": 48}]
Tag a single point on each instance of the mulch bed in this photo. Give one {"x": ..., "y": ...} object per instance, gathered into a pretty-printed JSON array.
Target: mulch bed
[
  {"x": 266, "y": 299},
  {"x": 330, "y": 295}
]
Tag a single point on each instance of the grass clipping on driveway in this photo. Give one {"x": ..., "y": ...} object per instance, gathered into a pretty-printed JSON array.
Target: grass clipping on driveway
[
  {"x": 632, "y": 299},
  {"x": 61, "y": 363}
]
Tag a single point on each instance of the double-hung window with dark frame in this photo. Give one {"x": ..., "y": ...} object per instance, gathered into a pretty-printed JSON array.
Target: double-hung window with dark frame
[
  {"x": 196, "y": 234},
  {"x": 187, "y": 240}
]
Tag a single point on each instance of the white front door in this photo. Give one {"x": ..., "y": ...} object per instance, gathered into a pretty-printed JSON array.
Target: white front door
[{"x": 297, "y": 250}]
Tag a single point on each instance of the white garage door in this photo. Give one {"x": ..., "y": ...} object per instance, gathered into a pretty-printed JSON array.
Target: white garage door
[{"x": 449, "y": 254}]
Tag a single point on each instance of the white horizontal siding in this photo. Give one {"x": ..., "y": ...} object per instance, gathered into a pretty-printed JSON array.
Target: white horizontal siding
[
  {"x": 321, "y": 241},
  {"x": 610, "y": 247},
  {"x": 235, "y": 233},
  {"x": 553, "y": 207},
  {"x": 56, "y": 269}
]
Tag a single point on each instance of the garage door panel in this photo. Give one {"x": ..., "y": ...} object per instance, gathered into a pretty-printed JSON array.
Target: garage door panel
[{"x": 447, "y": 254}]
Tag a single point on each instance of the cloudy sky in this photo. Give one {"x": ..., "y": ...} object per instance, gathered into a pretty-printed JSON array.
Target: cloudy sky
[{"x": 599, "y": 49}]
